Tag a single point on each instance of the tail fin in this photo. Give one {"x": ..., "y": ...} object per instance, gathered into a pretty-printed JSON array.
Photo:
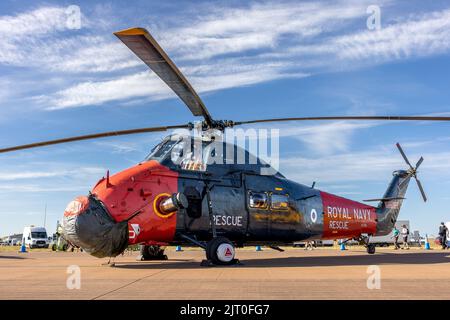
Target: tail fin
[{"x": 389, "y": 206}]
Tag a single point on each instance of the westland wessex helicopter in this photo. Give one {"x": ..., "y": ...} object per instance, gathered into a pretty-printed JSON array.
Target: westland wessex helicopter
[{"x": 218, "y": 206}]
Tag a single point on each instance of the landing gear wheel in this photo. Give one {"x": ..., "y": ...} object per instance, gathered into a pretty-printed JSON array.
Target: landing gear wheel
[
  {"x": 371, "y": 248},
  {"x": 152, "y": 253},
  {"x": 221, "y": 251}
]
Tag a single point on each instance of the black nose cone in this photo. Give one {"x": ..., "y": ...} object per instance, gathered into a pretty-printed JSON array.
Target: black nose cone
[{"x": 88, "y": 225}]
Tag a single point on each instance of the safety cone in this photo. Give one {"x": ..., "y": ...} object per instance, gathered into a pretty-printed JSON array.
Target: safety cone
[
  {"x": 23, "y": 248},
  {"x": 427, "y": 243},
  {"x": 178, "y": 249},
  {"x": 258, "y": 248}
]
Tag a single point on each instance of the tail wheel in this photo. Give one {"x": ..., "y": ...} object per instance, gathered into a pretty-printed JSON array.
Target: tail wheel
[
  {"x": 220, "y": 251},
  {"x": 371, "y": 248}
]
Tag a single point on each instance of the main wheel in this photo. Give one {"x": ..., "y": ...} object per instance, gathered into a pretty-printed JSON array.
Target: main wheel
[
  {"x": 152, "y": 253},
  {"x": 220, "y": 251},
  {"x": 371, "y": 248}
]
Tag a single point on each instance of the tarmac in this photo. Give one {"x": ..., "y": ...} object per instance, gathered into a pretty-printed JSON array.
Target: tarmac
[{"x": 268, "y": 274}]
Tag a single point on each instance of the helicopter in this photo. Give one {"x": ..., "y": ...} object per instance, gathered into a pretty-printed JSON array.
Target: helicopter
[{"x": 176, "y": 196}]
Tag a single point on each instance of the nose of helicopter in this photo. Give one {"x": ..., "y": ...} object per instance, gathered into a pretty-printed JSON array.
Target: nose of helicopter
[{"x": 88, "y": 225}]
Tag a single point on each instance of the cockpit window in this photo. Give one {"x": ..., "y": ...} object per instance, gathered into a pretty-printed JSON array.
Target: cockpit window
[
  {"x": 161, "y": 150},
  {"x": 182, "y": 151},
  {"x": 194, "y": 154},
  {"x": 197, "y": 154}
]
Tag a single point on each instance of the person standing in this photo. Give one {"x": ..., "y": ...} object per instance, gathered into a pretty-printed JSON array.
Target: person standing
[
  {"x": 405, "y": 234},
  {"x": 309, "y": 245},
  {"x": 443, "y": 231},
  {"x": 395, "y": 235}
]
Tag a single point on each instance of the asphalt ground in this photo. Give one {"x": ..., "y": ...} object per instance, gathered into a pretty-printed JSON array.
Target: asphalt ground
[{"x": 293, "y": 274}]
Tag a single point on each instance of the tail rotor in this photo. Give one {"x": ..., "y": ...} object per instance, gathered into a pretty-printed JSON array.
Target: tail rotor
[{"x": 413, "y": 171}]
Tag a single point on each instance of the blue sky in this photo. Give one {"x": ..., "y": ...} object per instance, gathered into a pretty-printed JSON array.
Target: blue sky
[{"x": 259, "y": 59}]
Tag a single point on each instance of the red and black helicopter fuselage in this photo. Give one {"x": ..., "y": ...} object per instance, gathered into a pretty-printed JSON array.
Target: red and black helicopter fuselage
[{"x": 161, "y": 201}]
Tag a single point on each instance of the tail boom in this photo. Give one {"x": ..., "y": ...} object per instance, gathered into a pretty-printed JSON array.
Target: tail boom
[{"x": 389, "y": 207}]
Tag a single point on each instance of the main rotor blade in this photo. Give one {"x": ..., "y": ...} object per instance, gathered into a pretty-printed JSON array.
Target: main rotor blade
[
  {"x": 148, "y": 50},
  {"x": 92, "y": 136},
  {"x": 390, "y": 118},
  {"x": 404, "y": 155},
  {"x": 419, "y": 184}
]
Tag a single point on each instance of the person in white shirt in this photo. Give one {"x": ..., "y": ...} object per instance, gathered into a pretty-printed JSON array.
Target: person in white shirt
[{"x": 405, "y": 234}]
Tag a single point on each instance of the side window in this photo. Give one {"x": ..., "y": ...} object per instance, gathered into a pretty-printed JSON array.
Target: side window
[
  {"x": 189, "y": 160},
  {"x": 279, "y": 201},
  {"x": 258, "y": 200}
]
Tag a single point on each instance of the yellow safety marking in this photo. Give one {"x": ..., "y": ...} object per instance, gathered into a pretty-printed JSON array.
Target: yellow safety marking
[{"x": 156, "y": 208}]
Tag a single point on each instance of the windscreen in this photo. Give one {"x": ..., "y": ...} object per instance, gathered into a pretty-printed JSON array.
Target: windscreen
[
  {"x": 160, "y": 151},
  {"x": 39, "y": 235}
]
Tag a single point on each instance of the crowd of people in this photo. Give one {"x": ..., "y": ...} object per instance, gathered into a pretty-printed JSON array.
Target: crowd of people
[{"x": 404, "y": 233}]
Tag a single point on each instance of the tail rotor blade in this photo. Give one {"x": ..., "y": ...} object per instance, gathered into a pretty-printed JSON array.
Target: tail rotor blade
[
  {"x": 412, "y": 173},
  {"x": 404, "y": 155},
  {"x": 419, "y": 184},
  {"x": 419, "y": 162}
]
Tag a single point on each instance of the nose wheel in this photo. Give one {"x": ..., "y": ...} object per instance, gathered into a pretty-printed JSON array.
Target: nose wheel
[
  {"x": 220, "y": 251},
  {"x": 151, "y": 253}
]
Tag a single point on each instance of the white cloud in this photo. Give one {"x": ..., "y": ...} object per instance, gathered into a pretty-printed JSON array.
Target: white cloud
[
  {"x": 93, "y": 54},
  {"x": 28, "y": 38},
  {"x": 205, "y": 78},
  {"x": 323, "y": 138},
  {"x": 374, "y": 164},
  {"x": 327, "y": 138},
  {"x": 219, "y": 48},
  {"x": 7, "y": 176},
  {"x": 416, "y": 36},
  {"x": 5, "y": 86},
  {"x": 422, "y": 35},
  {"x": 48, "y": 177},
  {"x": 38, "y": 188},
  {"x": 118, "y": 147},
  {"x": 42, "y": 39},
  {"x": 350, "y": 166},
  {"x": 217, "y": 33},
  {"x": 38, "y": 22},
  {"x": 258, "y": 26},
  {"x": 39, "y": 174},
  {"x": 242, "y": 75},
  {"x": 137, "y": 85},
  {"x": 139, "y": 144}
]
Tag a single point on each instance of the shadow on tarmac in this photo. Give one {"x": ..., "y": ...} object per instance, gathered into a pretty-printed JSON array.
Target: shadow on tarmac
[
  {"x": 12, "y": 257},
  {"x": 305, "y": 261}
]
